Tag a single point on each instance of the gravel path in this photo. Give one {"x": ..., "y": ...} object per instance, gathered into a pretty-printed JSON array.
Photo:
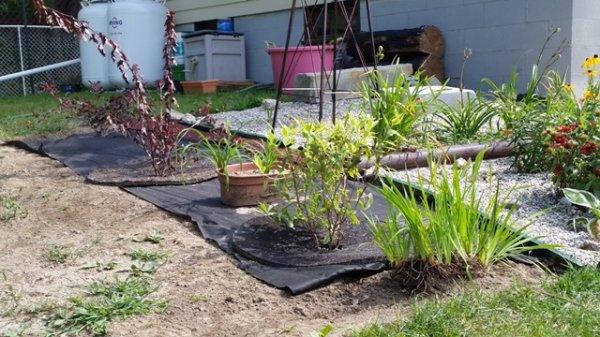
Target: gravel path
[{"x": 258, "y": 120}]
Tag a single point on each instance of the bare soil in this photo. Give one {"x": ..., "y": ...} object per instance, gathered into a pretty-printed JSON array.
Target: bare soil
[{"x": 207, "y": 294}]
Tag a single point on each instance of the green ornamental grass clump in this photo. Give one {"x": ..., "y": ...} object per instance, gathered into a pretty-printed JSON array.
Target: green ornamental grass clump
[
  {"x": 448, "y": 235},
  {"x": 396, "y": 108},
  {"x": 464, "y": 122}
]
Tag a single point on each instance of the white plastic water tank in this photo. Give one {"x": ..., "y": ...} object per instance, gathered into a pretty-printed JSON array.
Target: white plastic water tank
[
  {"x": 137, "y": 26},
  {"x": 94, "y": 67}
]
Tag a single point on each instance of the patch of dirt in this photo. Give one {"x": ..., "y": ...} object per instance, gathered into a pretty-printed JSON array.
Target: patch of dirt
[{"x": 207, "y": 294}]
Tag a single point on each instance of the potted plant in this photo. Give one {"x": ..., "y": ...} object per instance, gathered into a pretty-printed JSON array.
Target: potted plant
[{"x": 247, "y": 171}]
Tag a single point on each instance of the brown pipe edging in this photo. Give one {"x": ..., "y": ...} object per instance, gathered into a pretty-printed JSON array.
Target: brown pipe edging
[{"x": 419, "y": 158}]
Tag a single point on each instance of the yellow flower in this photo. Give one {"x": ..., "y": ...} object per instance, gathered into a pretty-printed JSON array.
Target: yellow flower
[
  {"x": 588, "y": 95},
  {"x": 568, "y": 87},
  {"x": 591, "y": 73},
  {"x": 591, "y": 62}
]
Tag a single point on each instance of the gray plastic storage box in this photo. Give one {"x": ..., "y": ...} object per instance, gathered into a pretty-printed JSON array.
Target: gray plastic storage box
[{"x": 213, "y": 55}]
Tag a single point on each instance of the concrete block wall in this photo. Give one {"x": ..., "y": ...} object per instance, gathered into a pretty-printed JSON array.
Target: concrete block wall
[{"x": 502, "y": 34}]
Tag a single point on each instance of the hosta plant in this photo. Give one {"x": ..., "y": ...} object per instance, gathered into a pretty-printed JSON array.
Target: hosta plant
[
  {"x": 454, "y": 233},
  {"x": 586, "y": 199}
]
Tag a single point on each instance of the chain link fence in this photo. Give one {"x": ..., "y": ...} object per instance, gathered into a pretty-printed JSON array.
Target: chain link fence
[{"x": 27, "y": 43}]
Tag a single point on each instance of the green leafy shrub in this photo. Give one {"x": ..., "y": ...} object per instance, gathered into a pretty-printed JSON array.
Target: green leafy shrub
[
  {"x": 464, "y": 122},
  {"x": 526, "y": 116},
  {"x": 318, "y": 195},
  {"x": 523, "y": 121},
  {"x": 450, "y": 235}
]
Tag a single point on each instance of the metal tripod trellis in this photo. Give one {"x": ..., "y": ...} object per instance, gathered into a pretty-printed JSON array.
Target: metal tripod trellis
[{"x": 348, "y": 32}]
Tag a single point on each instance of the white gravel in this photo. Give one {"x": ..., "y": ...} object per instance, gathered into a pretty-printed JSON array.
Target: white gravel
[
  {"x": 258, "y": 120},
  {"x": 533, "y": 193}
]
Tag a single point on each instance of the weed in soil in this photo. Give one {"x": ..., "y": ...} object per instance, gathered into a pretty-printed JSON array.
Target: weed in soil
[
  {"x": 10, "y": 208},
  {"x": 142, "y": 255},
  {"x": 10, "y": 296},
  {"x": 110, "y": 301},
  {"x": 101, "y": 266},
  {"x": 154, "y": 237},
  {"x": 16, "y": 333},
  {"x": 139, "y": 268},
  {"x": 58, "y": 254}
]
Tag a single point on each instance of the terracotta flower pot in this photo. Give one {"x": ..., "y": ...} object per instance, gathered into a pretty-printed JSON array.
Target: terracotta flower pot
[
  {"x": 247, "y": 186},
  {"x": 200, "y": 87}
]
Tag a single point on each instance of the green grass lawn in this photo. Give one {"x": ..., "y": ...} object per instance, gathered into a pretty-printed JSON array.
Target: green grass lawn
[
  {"x": 568, "y": 306},
  {"x": 24, "y": 116}
]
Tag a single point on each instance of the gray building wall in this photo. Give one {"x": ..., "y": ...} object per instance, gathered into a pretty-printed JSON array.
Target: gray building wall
[
  {"x": 266, "y": 27},
  {"x": 502, "y": 34},
  {"x": 585, "y": 41}
]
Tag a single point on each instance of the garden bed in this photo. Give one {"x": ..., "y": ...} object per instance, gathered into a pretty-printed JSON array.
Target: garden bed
[
  {"x": 57, "y": 212},
  {"x": 533, "y": 193}
]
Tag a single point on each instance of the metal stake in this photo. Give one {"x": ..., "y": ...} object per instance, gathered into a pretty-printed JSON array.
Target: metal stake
[{"x": 281, "y": 74}]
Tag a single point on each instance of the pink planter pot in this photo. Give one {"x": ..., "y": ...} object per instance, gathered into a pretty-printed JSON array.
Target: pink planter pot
[{"x": 301, "y": 59}]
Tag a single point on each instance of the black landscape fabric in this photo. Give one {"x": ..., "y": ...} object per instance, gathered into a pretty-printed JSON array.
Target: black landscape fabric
[
  {"x": 83, "y": 153},
  {"x": 201, "y": 202}
]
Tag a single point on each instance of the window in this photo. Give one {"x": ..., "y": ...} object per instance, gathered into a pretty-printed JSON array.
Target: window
[{"x": 337, "y": 12}]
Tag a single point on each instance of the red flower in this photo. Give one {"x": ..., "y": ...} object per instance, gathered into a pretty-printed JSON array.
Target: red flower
[
  {"x": 588, "y": 148},
  {"x": 573, "y": 126},
  {"x": 564, "y": 128},
  {"x": 558, "y": 170},
  {"x": 561, "y": 141},
  {"x": 597, "y": 172}
]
